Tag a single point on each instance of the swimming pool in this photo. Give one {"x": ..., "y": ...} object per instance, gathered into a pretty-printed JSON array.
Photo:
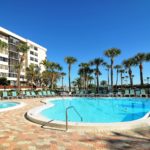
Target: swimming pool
[
  {"x": 4, "y": 106},
  {"x": 93, "y": 113},
  {"x": 98, "y": 110}
]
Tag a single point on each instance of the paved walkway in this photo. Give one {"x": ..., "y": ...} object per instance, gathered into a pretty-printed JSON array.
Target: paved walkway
[{"x": 17, "y": 133}]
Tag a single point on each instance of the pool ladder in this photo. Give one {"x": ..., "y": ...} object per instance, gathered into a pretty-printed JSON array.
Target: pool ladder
[{"x": 71, "y": 107}]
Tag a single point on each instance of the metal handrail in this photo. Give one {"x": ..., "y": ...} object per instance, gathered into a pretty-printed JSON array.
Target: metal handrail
[{"x": 67, "y": 115}]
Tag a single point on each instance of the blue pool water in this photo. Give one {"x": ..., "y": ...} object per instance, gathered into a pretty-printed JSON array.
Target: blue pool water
[
  {"x": 4, "y": 105},
  {"x": 99, "y": 110}
]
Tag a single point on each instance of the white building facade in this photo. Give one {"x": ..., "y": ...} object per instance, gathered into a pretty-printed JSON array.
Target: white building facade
[{"x": 9, "y": 57}]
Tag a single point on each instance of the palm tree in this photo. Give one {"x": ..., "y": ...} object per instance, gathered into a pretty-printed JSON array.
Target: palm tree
[
  {"x": 108, "y": 70},
  {"x": 62, "y": 78},
  {"x": 53, "y": 68},
  {"x": 22, "y": 49},
  {"x": 121, "y": 77},
  {"x": 117, "y": 67},
  {"x": 45, "y": 63},
  {"x": 97, "y": 62},
  {"x": 148, "y": 57},
  {"x": 85, "y": 71},
  {"x": 112, "y": 53},
  {"x": 128, "y": 64},
  {"x": 70, "y": 60},
  {"x": 32, "y": 73},
  {"x": 139, "y": 59},
  {"x": 3, "y": 45}
]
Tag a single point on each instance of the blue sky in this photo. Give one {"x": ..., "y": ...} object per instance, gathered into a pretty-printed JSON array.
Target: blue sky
[{"x": 82, "y": 28}]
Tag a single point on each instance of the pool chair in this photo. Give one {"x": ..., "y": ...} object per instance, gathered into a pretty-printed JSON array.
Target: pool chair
[
  {"x": 40, "y": 94},
  {"x": 143, "y": 93},
  {"x": 138, "y": 93},
  {"x": 53, "y": 93},
  {"x": 44, "y": 93},
  {"x": 49, "y": 93},
  {"x": 28, "y": 94},
  {"x": 33, "y": 94},
  {"x": 5, "y": 95},
  {"x": 132, "y": 93},
  {"x": 126, "y": 94},
  {"x": 14, "y": 94},
  {"x": 119, "y": 94}
]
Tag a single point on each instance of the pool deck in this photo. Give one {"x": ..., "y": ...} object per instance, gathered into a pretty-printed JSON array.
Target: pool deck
[{"x": 17, "y": 133}]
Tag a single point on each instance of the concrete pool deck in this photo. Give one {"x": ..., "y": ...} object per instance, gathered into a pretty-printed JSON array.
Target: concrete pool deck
[{"x": 17, "y": 133}]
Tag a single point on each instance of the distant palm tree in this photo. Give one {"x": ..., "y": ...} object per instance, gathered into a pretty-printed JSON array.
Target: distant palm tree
[
  {"x": 84, "y": 71},
  {"x": 139, "y": 59},
  {"x": 112, "y": 53},
  {"x": 62, "y": 78},
  {"x": 128, "y": 64},
  {"x": 32, "y": 73},
  {"x": 22, "y": 49},
  {"x": 117, "y": 67},
  {"x": 121, "y": 77},
  {"x": 148, "y": 57},
  {"x": 97, "y": 62},
  {"x": 70, "y": 60},
  {"x": 53, "y": 68},
  {"x": 108, "y": 70}
]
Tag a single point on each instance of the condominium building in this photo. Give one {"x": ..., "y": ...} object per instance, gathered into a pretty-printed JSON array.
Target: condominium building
[{"x": 9, "y": 56}]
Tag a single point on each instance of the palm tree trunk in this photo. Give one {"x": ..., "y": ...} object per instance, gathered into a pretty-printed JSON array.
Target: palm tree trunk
[
  {"x": 121, "y": 78},
  {"x": 112, "y": 63},
  {"x": 62, "y": 82},
  {"x": 108, "y": 76},
  {"x": 130, "y": 76},
  {"x": 52, "y": 82},
  {"x": 141, "y": 73},
  {"x": 117, "y": 78},
  {"x": 69, "y": 69},
  {"x": 18, "y": 79}
]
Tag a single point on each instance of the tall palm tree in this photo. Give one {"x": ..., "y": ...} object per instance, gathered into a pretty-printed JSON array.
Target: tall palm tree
[
  {"x": 97, "y": 62},
  {"x": 70, "y": 60},
  {"x": 22, "y": 49},
  {"x": 62, "y": 78},
  {"x": 139, "y": 59},
  {"x": 128, "y": 64},
  {"x": 117, "y": 67},
  {"x": 112, "y": 53}
]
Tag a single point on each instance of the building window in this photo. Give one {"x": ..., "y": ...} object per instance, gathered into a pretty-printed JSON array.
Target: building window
[
  {"x": 35, "y": 48},
  {"x": 3, "y": 59},
  {"x": 31, "y": 52}
]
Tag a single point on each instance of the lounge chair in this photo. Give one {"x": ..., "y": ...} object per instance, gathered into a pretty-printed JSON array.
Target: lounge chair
[
  {"x": 137, "y": 93},
  {"x": 44, "y": 93},
  {"x": 132, "y": 93},
  {"x": 33, "y": 94},
  {"x": 143, "y": 93},
  {"x": 5, "y": 95},
  {"x": 119, "y": 94},
  {"x": 28, "y": 94},
  {"x": 49, "y": 93},
  {"x": 40, "y": 94},
  {"x": 126, "y": 94},
  {"x": 14, "y": 94},
  {"x": 53, "y": 93}
]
